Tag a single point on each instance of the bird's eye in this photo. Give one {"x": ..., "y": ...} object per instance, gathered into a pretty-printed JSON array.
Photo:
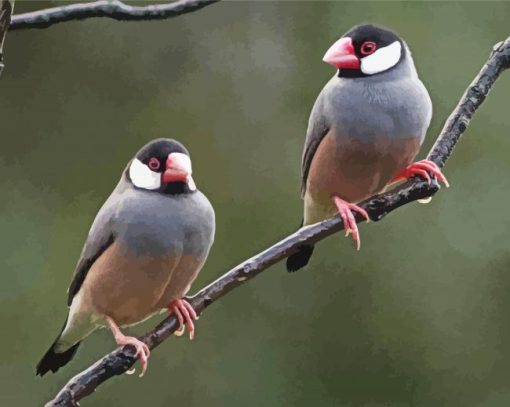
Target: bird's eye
[
  {"x": 368, "y": 47},
  {"x": 154, "y": 164}
]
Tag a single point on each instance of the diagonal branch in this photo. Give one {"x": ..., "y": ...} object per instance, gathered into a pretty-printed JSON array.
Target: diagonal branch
[
  {"x": 5, "y": 19},
  {"x": 105, "y": 8},
  {"x": 121, "y": 359}
]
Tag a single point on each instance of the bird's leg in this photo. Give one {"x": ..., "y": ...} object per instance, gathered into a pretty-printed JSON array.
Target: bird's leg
[
  {"x": 422, "y": 168},
  {"x": 142, "y": 350},
  {"x": 345, "y": 211},
  {"x": 184, "y": 313}
]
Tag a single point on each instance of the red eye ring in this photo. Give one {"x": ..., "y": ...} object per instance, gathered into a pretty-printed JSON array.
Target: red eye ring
[
  {"x": 154, "y": 164},
  {"x": 368, "y": 47}
]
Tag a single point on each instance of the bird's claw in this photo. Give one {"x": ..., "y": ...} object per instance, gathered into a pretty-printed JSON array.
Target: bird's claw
[
  {"x": 345, "y": 210},
  {"x": 185, "y": 314},
  {"x": 142, "y": 351},
  {"x": 423, "y": 169},
  {"x": 180, "y": 331}
]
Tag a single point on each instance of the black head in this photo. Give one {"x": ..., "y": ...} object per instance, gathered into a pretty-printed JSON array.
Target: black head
[
  {"x": 162, "y": 165},
  {"x": 366, "y": 50}
]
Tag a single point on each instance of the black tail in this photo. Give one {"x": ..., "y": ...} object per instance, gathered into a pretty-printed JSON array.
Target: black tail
[
  {"x": 53, "y": 360},
  {"x": 299, "y": 259}
]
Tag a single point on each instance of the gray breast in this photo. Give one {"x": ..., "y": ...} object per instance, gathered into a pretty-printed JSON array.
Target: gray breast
[
  {"x": 149, "y": 223},
  {"x": 394, "y": 104}
]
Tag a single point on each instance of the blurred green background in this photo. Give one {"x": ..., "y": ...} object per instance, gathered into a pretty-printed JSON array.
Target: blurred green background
[{"x": 418, "y": 318}]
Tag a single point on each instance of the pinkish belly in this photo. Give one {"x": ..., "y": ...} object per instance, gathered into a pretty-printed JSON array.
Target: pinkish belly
[
  {"x": 353, "y": 170},
  {"x": 130, "y": 288}
]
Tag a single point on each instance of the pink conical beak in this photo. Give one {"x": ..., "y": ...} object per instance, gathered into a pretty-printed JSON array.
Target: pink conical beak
[
  {"x": 178, "y": 168},
  {"x": 341, "y": 55}
]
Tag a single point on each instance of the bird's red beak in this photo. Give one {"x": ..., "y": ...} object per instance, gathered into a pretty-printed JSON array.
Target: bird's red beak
[
  {"x": 178, "y": 168},
  {"x": 341, "y": 55}
]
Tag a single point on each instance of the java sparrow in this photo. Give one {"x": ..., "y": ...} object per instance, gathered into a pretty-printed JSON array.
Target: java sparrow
[
  {"x": 146, "y": 246},
  {"x": 365, "y": 129}
]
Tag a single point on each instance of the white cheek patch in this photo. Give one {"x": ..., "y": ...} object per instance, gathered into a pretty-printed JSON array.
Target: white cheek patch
[
  {"x": 142, "y": 177},
  {"x": 191, "y": 184},
  {"x": 382, "y": 59}
]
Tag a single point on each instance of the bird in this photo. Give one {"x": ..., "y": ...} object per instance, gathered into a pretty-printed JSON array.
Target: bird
[
  {"x": 146, "y": 246},
  {"x": 365, "y": 129}
]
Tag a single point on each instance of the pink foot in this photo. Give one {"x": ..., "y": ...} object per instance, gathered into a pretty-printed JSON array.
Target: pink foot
[
  {"x": 345, "y": 210},
  {"x": 422, "y": 168},
  {"x": 184, "y": 313},
  {"x": 142, "y": 350}
]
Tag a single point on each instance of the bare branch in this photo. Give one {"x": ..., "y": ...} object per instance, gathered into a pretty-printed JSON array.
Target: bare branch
[
  {"x": 471, "y": 100},
  {"x": 105, "y": 8},
  {"x": 121, "y": 359},
  {"x": 5, "y": 19}
]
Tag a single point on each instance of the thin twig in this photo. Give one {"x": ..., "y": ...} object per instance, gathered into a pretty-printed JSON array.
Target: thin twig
[
  {"x": 105, "y": 8},
  {"x": 121, "y": 359}
]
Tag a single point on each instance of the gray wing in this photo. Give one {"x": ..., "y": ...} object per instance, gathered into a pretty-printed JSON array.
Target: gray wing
[
  {"x": 317, "y": 129},
  {"x": 100, "y": 237}
]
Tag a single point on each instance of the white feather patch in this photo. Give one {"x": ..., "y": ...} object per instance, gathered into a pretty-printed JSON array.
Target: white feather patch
[
  {"x": 382, "y": 59},
  {"x": 142, "y": 177},
  {"x": 191, "y": 184}
]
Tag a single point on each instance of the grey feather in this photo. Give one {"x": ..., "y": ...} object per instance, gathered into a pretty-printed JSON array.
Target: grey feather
[
  {"x": 100, "y": 237},
  {"x": 152, "y": 224}
]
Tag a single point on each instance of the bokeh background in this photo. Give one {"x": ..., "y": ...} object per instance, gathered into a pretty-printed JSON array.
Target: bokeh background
[{"x": 419, "y": 317}]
